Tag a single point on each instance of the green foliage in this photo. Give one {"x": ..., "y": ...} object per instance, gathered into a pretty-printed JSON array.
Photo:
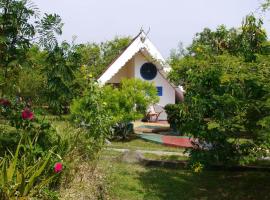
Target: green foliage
[
  {"x": 27, "y": 157},
  {"x": 129, "y": 102},
  {"x": 89, "y": 112},
  {"x": 61, "y": 64},
  {"x": 39, "y": 131},
  {"x": 103, "y": 109},
  {"x": 47, "y": 27},
  {"x": 31, "y": 81},
  {"x": 18, "y": 32},
  {"x": 246, "y": 41},
  {"x": 252, "y": 38},
  {"x": 174, "y": 117},
  {"x": 98, "y": 56},
  {"x": 227, "y": 101},
  {"x": 30, "y": 53},
  {"x": 265, "y": 5},
  {"x": 20, "y": 178}
]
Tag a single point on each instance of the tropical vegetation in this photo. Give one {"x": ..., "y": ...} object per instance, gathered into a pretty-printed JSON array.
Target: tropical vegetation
[
  {"x": 225, "y": 73},
  {"x": 55, "y": 119}
]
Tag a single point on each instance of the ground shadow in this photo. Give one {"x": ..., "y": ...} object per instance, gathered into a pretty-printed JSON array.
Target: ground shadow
[{"x": 182, "y": 184}]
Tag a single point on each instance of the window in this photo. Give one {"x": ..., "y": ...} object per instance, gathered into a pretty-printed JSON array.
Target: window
[
  {"x": 148, "y": 71},
  {"x": 159, "y": 91}
]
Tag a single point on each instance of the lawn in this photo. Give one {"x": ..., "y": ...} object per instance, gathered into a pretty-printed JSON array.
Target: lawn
[{"x": 136, "y": 182}]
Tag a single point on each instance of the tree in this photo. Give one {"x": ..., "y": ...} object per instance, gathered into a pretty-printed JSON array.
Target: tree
[
  {"x": 247, "y": 41},
  {"x": 96, "y": 57},
  {"x": 30, "y": 84},
  {"x": 20, "y": 27},
  {"x": 252, "y": 38},
  {"x": 265, "y": 5},
  {"x": 61, "y": 64},
  {"x": 227, "y": 101}
]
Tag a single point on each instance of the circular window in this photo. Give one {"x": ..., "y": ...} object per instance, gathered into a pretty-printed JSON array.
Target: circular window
[{"x": 148, "y": 71}]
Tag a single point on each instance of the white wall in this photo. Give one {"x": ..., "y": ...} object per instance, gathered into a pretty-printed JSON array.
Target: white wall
[{"x": 168, "y": 92}]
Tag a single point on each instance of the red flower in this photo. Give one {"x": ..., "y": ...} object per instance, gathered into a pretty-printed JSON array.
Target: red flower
[
  {"x": 58, "y": 167},
  {"x": 5, "y": 102},
  {"x": 27, "y": 114}
]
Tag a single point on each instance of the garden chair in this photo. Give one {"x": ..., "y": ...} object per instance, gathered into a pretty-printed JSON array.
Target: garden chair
[{"x": 153, "y": 112}]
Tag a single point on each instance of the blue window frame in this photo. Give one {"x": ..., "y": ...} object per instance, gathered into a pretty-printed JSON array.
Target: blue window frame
[{"x": 159, "y": 91}]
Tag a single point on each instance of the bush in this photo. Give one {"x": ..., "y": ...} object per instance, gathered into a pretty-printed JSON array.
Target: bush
[
  {"x": 226, "y": 107},
  {"x": 127, "y": 103},
  {"x": 28, "y": 156},
  {"x": 89, "y": 112},
  {"x": 106, "y": 111},
  {"x": 122, "y": 130},
  {"x": 20, "y": 121},
  {"x": 174, "y": 116}
]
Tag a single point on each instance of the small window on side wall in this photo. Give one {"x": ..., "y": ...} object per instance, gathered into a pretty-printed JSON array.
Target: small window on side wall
[{"x": 159, "y": 91}]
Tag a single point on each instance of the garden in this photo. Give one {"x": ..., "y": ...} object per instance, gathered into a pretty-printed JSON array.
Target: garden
[{"x": 64, "y": 136}]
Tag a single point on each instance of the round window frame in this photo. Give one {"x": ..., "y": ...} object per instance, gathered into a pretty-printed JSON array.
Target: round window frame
[{"x": 148, "y": 77}]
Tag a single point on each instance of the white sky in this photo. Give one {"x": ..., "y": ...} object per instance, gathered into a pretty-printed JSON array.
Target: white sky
[{"x": 170, "y": 21}]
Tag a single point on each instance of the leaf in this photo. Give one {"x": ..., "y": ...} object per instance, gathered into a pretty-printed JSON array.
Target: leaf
[
  {"x": 36, "y": 175},
  {"x": 44, "y": 182},
  {"x": 212, "y": 125},
  {"x": 12, "y": 167},
  {"x": 4, "y": 172}
]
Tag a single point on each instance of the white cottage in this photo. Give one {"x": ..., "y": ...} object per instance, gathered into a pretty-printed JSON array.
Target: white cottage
[{"x": 142, "y": 60}]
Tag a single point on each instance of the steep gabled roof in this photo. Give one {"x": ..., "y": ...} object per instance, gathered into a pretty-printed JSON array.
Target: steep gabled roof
[{"x": 140, "y": 43}]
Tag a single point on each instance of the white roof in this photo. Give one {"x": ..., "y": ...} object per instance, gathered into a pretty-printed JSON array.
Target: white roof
[{"x": 140, "y": 43}]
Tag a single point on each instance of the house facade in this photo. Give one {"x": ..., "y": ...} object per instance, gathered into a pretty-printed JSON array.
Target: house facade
[{"x": 142, "y": 60}]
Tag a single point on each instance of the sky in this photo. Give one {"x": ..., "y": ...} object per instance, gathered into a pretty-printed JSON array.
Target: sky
[{"x": 169, "y": 21}]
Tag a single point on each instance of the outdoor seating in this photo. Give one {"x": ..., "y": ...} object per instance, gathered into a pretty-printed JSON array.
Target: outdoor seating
[{"x": 154, "y": 112}]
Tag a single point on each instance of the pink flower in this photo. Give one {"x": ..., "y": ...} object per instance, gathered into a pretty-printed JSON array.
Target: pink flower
[
  {"x": 27, "y": 114},
  {"x": 5, "y": 102},
  {"x": 58, "y": 167}
]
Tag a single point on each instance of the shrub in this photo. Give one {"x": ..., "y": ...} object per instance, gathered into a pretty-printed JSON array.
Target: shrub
[
  {"x": 128, "y": 103},
  {"x": 21, "y": 121},
  {"x": 33, "y": 140},
  {"x": 89, "y": 112},
  {"x": 173, "y": 116},
  {"x": 106, "y": 111},
  {"x": 226, "y": 107}
]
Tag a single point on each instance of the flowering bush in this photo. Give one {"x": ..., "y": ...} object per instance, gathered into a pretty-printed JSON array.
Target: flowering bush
[
  {"x": 21, "y": 121},
  {"x": 36, "y": 143},
  {"x": 27, "y": 114}
]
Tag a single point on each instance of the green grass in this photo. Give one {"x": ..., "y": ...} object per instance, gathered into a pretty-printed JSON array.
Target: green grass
[
  {"x": 164, "y": 157},
  {"x": 138, "y": 143},
  {"x": 136, "y": 182}
]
